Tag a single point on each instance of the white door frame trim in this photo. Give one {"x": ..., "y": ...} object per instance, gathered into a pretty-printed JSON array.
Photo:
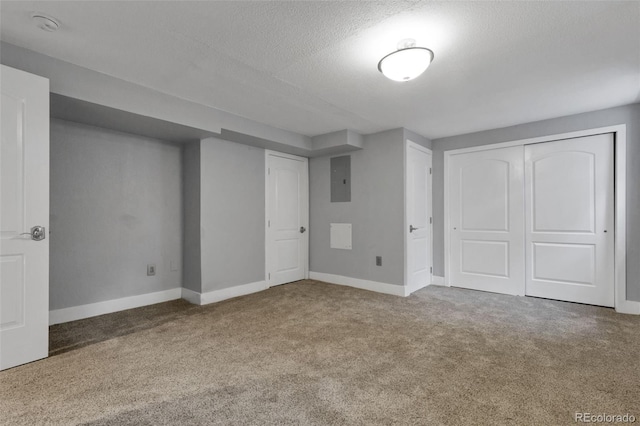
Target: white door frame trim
[
  {"x": 305, "y": 160},
  {"x": 410, "y": 143},
  {"x": 620, "y": 145}
]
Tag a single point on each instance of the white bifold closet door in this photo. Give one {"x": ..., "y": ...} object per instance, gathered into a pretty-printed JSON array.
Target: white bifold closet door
[
  {"x": 536, "y": 219},
  {"x": 487, "y": 220},
  {"x": 570, "y": 220}
]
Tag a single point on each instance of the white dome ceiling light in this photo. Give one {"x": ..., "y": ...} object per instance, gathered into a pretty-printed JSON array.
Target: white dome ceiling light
[
  {"x": 406, "y": 63},
  {"x": 44, "y": 22}
]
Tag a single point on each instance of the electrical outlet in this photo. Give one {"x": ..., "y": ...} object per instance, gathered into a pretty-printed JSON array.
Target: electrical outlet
[
  {"x": 378, "y": 260},
  {"x": 151, "y": 269}
]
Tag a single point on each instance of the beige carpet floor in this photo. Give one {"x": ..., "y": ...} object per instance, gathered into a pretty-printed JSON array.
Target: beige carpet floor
[{"x": 310, "y": 353}]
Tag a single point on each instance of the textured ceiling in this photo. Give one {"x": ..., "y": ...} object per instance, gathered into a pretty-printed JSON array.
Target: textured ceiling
[{"x": 311, "y": 67}]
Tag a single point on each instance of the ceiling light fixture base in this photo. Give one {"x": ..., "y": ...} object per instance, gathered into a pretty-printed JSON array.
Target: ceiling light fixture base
[{"x": 406, "y": 43}]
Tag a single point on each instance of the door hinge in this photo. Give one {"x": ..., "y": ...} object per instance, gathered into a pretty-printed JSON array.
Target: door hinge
[
  {"x": 430, "y": 220},
  {"x": 431, "y": 269},
  {"x": 269, "y": 276},
  {"x": 269, "y": 170},
  {"x": 429, "y": 170},
  {"x": 268, "y": 224}
]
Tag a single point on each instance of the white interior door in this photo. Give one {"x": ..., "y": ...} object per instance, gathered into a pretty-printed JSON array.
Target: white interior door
[
  {"x": 486, "y": 220},
  {"x": 24, "y": 203},
  {"x": 570, "y": 220},
  {"x": 287, "y": 206},
  {"x": 418, "y": 221}
]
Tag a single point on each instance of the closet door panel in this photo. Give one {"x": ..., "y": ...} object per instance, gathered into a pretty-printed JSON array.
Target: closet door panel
[
  {"x": 487, "y": 220},
  {"x": 569, "y": 220}
]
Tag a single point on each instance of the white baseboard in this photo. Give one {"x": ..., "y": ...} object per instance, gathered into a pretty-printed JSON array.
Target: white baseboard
[
  {"x": 191, "y": 296},
  {"x": 396, "y": 290},
  {"x": 628, "y": 307},
  {"x": 223, "y": 294},
  {"x": 412, "y": 289},
  {"x": 59, "y": 316},
  {"x": 437, "y": 280}
]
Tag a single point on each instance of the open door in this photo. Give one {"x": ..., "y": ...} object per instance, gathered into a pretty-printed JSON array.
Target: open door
[
  {"x": 24, "y": 218},
  {"x": 418, "y": 217}
]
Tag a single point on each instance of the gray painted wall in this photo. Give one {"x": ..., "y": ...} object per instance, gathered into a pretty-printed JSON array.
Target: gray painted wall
[
  {"x": 192, "y": 272},
  {"x": 232, "y": 214},
  {"x": 420, "y": 140},
  {"x": 116, "y": 205},
  {"x": 629, "y": 115},
  {"x": 376, "y": 211}
]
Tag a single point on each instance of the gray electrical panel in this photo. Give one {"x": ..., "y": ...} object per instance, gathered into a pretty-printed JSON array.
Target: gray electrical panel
[{"x": 341, "y": 179}]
